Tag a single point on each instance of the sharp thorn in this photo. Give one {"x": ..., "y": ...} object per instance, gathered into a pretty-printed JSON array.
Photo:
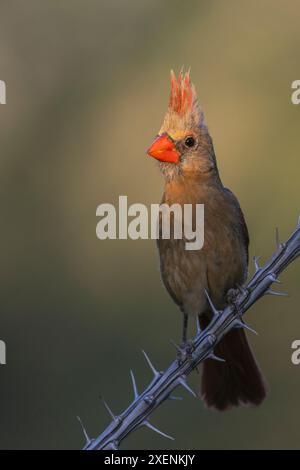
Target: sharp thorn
[
  {"x": 185, "y": 385},
  {"x": 256, "y": 263},
  {"x": 274, "y": 278},
  {"x": 108, "y": 408},
  {"x": 213, "y": 308},
  {"x": 198, "y": 325},
  {"x": 154, "y": 371},
  {"x": 88, "y": 440},
  {"x": 242, "y": 324},
  {"x": 273, "y": 292},
  {"x": 178, "y": 348},
  {"x": 215, "y": 358},
  {"x": 135, "y": 390},
  {"x": 240, "y": 288},
  {"x": 249, "y": 328},
  {"x": 277, "y": 237},
  {"x": 153, "y": 428}
]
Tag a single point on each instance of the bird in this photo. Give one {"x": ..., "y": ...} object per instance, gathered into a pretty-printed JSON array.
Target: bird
[{"x": 186, "y": 157}]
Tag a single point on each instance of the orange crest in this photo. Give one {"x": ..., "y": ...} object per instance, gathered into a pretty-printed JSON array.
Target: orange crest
[
  {"x": 184, "y": 112},
  {"x": 182, "y": 93}
]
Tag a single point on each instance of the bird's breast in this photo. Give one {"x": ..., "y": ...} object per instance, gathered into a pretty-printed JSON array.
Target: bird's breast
[{"x": 217, "y": 266}]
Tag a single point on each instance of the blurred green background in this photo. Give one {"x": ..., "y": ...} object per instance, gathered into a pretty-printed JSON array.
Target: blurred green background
[{"x": 87, "y": 88}]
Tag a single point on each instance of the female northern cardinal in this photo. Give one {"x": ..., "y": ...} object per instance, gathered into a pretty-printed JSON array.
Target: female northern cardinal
[{"x": 187, "y": 160}]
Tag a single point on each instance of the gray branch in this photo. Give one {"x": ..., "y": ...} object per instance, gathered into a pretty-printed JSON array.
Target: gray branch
[{"x": 201, "y": 348}]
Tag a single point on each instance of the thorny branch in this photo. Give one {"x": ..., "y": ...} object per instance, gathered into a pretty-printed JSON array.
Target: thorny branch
[{"x": 201, "y": 348}]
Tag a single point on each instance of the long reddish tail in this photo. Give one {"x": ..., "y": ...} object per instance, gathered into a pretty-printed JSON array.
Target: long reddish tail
[{"x": 236, "y": 381}]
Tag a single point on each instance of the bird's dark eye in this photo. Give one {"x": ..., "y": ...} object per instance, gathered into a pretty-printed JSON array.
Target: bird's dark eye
[{"x": 189, "y": 142}]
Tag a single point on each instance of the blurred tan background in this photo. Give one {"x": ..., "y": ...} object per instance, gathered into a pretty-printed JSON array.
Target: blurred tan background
[{"x": 87, "y": 88}]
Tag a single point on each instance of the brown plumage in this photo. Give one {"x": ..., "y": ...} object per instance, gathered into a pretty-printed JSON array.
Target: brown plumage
[{"x": 187, "y": 160}]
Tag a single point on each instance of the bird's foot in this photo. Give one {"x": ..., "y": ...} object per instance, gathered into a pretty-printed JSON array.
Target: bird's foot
[
  {"x": 231, "y": 296},
  {"x": 185, "y": 350}
]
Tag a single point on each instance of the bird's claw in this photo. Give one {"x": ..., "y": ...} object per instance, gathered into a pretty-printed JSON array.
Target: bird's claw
[
  {"x": 231, "y": 296},
  {"x": 185, "y": 351}
]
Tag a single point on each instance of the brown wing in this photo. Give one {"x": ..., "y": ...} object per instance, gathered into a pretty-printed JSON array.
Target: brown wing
[{"x": 243, "y": 225}]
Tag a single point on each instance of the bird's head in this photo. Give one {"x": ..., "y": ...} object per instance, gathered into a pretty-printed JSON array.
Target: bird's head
[{"x": 183, "y": 146}]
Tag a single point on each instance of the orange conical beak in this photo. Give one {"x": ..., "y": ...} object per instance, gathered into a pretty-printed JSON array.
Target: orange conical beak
[{"x": 163, "y": 149}]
